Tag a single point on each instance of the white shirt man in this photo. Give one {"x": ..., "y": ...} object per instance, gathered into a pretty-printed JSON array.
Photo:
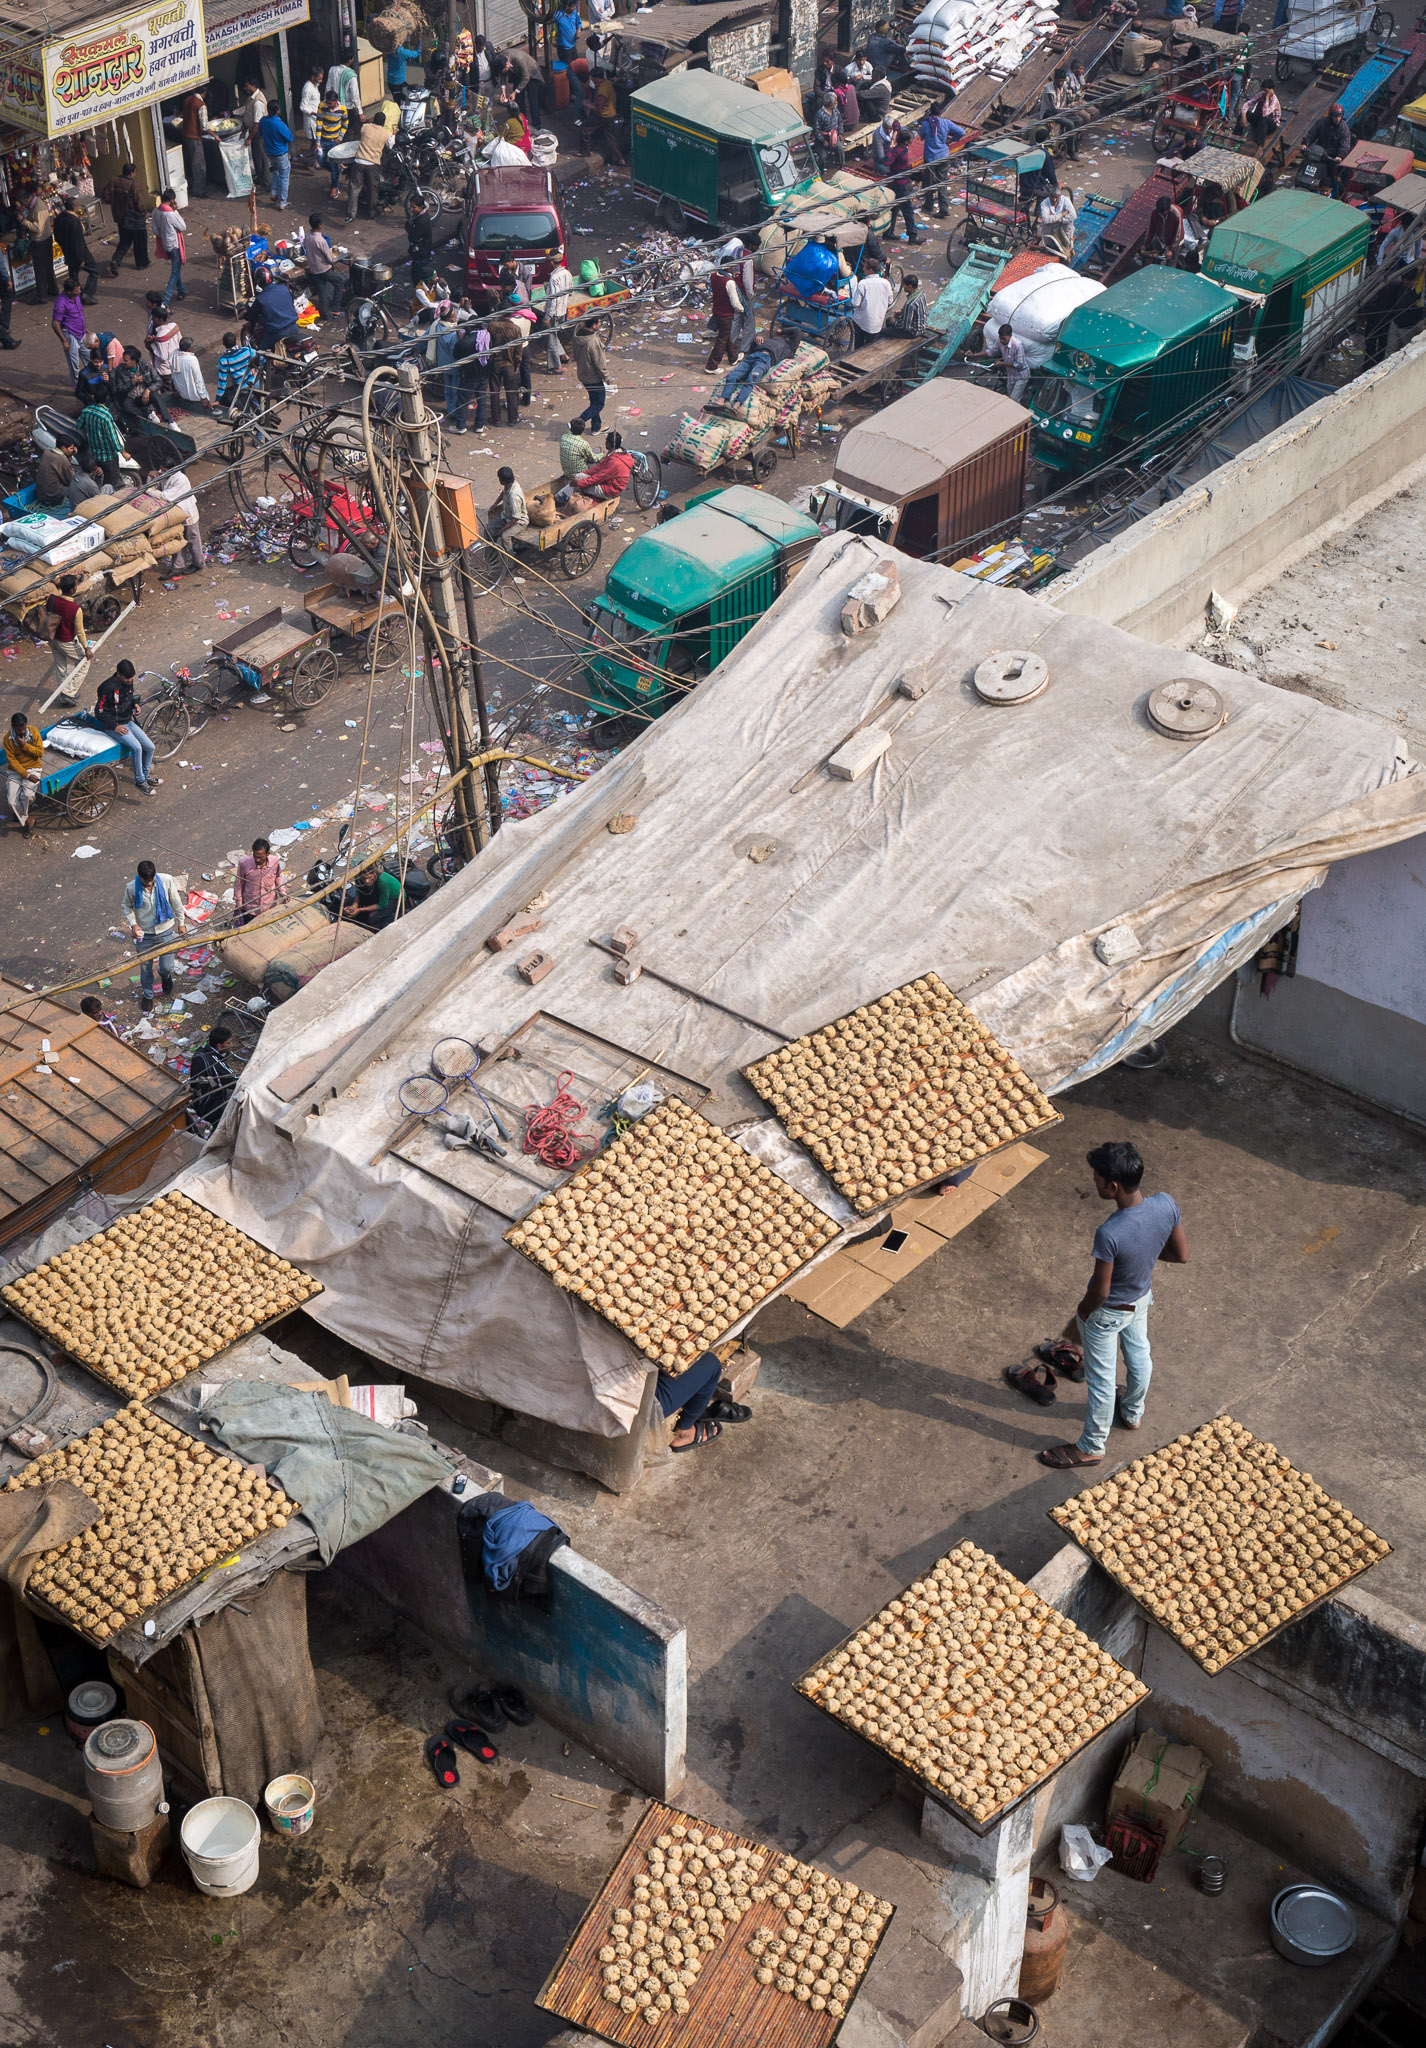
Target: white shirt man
[
  {"x": 871, "y": 302},
  {"x": 1007, "y": 348}
]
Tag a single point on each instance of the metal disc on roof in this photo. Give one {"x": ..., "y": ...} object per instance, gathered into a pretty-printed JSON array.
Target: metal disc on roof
[
  {"x": 1011, "y": 676},
  {"x": 1186, "y": 709}
]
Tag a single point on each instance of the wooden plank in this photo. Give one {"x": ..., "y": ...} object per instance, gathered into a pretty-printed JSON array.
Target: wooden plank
[
  {"x": 728, "y": 2004},
  {"x": 20, "y": 1142}
]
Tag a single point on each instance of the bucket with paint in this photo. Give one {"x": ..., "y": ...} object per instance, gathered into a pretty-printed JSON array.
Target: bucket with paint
[
  {"x": 289, "y": 1803},
  {"x": 219, "y": 1838}
]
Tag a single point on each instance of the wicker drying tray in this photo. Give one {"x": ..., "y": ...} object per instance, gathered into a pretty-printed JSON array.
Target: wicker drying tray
[
  {"x": 1198, "y": 1531},
  {"x": 677, "y": 1213},
  {"x": 726, "y": 2001},
  {"x": 182, "y": 1286},
  {"x": 987, "y": 1617},
  {"x": 170, "y": 1509},
  {"x": 900, "y": 1093}
]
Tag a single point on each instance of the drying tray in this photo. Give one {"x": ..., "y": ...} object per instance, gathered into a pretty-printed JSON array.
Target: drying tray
[
  {"x": 207, "y": 1340},
  {"x": 939, "y": 1793},
  {"x": 775, "y": 1073},
  {"x": 661, "y": 1142},
  {"x": 728, "y": 2004},
  {"x": 1231, "y": 1435}
]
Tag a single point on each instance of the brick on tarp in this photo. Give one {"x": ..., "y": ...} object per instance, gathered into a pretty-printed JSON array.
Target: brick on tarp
[{"x": 518, "y": 928}]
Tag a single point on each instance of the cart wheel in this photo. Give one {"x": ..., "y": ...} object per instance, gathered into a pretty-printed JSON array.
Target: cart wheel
[
  {"x": 764, "y": 462},
  {"x": 894, "y": 276},
  {"x": 957, "y": 246},
  {"x": 313, "y": 676},
  {"x": 1283, "y": 69},
  {"x": 167, "y": 726},
  {"x": 579, "y": 550},
  {"x": 90, "y": 794},
  {"x": 603, "y": 327},
  {"x": 841, "y": 336},
  {"x": 164, "y": 453},
  {"x": 101, "y": 615},
  {"x": 487, "y": 564},
  {"x": 302, "y": 547},
  {"x": 647, "y": 480},
  {"x": 1159, "y": 134},
  {"x": 1383, "y": 25},
  {"x": 387, "y": 643},
  {"x": 669, "y": 214},
  {"x": 257, "y": 470}
]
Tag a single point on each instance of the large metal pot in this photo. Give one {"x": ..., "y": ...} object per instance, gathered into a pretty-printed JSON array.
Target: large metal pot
[
  {"x": 123, "y": 1776},
  {"x": 1311, "y": 1925}
]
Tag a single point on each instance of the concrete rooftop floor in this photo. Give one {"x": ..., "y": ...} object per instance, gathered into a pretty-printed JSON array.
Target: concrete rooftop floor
[{"x": 410, "y": 1914}]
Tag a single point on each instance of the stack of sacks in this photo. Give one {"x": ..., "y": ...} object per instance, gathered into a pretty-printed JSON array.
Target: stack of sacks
[
  {"x": 1038, "y": 306},
  {"x": 952, "y": 41}
]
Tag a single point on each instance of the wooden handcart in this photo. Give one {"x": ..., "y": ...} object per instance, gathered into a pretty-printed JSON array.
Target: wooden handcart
[
  {"x": 280, "y": 654},
  {"x": 77, "y": 790},
  {"x": 376, "y": 621},
  {"x": 574, "y": 541}
]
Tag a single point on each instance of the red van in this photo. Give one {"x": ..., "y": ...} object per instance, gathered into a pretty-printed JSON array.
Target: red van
[{"x": 515, "y": 217}]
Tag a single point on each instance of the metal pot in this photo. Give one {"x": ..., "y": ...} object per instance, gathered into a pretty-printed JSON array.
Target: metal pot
[
  {"x": 88, "y": 1707},
  {"x": 123, "y": 1776},
  {"x": 1311, "y": 1925}
]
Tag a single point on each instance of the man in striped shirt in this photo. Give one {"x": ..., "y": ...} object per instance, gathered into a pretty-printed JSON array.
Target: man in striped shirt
[
  {"x": 331, "y": 128},
  {"x": 96, "y": 423},
  {"x": 235, "y": 369}
]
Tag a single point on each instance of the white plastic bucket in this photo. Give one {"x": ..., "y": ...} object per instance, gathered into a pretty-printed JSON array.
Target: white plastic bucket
[
  {"x": 289, "y": 1802},
  {"x": 219, "y": 1838}
]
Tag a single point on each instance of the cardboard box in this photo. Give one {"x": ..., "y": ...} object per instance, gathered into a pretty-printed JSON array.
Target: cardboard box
[{"x": 1160, "y": 1782}]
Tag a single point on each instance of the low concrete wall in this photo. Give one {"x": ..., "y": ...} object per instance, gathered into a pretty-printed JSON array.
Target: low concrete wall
[
  {"x": 1234, "y": 530},
  {"x": 1373, "y": 1053},
  {"x": 605, "y": 1665}
]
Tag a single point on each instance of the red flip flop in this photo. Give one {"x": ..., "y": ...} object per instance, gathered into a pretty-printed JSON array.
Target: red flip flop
[
  {"x": 474, "y": 1739},
  {"x": 442, "y": 1759}
]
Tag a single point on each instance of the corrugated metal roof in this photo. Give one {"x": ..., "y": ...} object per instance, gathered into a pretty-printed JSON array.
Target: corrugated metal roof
[
  {"x": 704, "y": 100},
  {"x": 54, "y": 1125}
]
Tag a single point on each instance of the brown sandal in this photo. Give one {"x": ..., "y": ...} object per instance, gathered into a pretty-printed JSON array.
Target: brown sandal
[
  {"x": 1035, "y": 1382},
  {"x": 1064, "y": 1457}
]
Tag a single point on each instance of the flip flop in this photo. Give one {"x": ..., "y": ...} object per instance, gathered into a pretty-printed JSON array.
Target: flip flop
[
  {"x": 703, "y": 1433},
  {"x": 723, "y": 1410},
  {"x": 1035, "y": 1382},
  {"x": 514, "y": 1703},
  {"x": 1064, "y": 1357},
  {"x": 442, "y": 1759},
  {"x": 477, "y": 1704},
  {"x": 1066, "y": 1457},
  {"x": 473, "y": 1739}
]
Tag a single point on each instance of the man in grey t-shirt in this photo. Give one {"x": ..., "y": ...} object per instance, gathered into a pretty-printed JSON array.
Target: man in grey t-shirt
[{"x": 1114, "y": 1313}]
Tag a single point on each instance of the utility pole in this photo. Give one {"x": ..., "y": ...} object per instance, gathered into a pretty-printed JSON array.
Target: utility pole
[{"x": 451, "y": 697}]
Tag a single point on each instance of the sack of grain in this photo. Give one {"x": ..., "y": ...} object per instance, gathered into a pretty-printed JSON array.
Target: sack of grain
[
  {"x": 753, "y": 404},
  {"x": 541, "y": 507},
  {"x": 135, "y": 512},
  {"x": 810, "y": 359},
  {"x": 700, "y": 441},
  {"x": 397, "y": 26}
]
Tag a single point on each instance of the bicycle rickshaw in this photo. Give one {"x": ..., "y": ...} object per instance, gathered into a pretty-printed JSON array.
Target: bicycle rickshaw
[
  {"x": 814, "y": 301},
  {"x": 1003, "y": 183}
]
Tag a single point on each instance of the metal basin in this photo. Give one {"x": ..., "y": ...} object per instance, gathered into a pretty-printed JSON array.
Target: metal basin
[{"x": 1311, "y": 1925}]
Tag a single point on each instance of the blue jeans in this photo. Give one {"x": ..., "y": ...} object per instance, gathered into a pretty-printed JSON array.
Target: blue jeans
[
  {"x": 593, "y": 414},
  {"x": 149, "y": 949},
  {"x": 141, "y": 747},
  {"x": 689, "y": 1394},
  {"x": 175, "y": 277},
  {"x": 281, "y": 169},
  {"x": 1108, "y": 1331}
]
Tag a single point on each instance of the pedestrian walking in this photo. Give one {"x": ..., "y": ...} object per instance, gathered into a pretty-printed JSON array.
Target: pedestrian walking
[
  {"x": 898, "y": 165},
  {"x": 937, "y": 134},
  {"x": 727, "y": 305},
  {"x": 591, "y": 366},
  {"x": 39, "y": 226},
  {"x": 309, "y": 106},
  {"x": 129, "y": 207},
  {"x": 64, "y": 623},
  {"x": 472, "y": 355},
  {"x": 153, "y": 908},
  {"x": 276, "y": 139},
  {"x": 261, "y": 884},
  {"x": 69, "y": 233},
  {"x": 252, "y": 112},
  {"x": 507, "y": 344},
  {"x": 69, "y": 324},
  {"x": 192, "y": 127},
  {"x": 1114, "y": 1313},
  {"x": 116, "y": 711},
  {"x": 24, "y": 752},
  {"x": 365, "y": 173},
  {"x": 515, "y": 306},
  {"x": 170, "y": 228},
  {"x": 331, "y": 129},
  {"x": 211, "y": 1081},
  {"x": 558, "y": 287}
]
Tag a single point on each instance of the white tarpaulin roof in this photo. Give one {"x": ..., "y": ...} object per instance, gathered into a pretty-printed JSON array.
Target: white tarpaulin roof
[{"x": 991, "y": 844}]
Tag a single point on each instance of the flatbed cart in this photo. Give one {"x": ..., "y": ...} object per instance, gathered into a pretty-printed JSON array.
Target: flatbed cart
[
  {"x": 79, "y": 790},
  {"x": 377, "y": 621},
  {"x": 878, "y": 368},
  {"x": 574, "y": 541},
  {"x": 280, "y": 654}
]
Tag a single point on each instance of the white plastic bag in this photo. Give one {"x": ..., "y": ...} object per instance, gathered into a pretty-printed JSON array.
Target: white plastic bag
[{"x": 1080, "y": 1855}]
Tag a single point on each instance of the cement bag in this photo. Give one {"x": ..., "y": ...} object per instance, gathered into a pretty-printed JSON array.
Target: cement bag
[
  {"x": 701, "y": 442},
  {"x": 740, "y": 439},
  {"x": 136, "y": 512}
]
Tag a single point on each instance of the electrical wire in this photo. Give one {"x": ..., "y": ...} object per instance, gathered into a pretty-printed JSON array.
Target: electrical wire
[{"x": 549, "y": 1128}]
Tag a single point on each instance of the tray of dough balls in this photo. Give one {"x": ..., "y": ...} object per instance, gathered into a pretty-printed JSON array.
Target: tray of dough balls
[
  {"x": 673, "y": 1233},
  {"x": 169, "y": 1509},
  {"x": 900, "y": 1093},
  {"x": 973, "y": 1684},
  {"x": 156, "y": 1294},
  {"x": 702, "y": 1937},
  {"x": 1220, "y": 1539}
]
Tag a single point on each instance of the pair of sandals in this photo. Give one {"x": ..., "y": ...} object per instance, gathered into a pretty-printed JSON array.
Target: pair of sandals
[
  {"x": 481, "y": 1711},
  {"x": 1057, "y": 1359},
  {"x": 710, "y": 1425}
]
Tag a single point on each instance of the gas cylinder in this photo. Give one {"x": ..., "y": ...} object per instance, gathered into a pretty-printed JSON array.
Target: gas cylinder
[{"x": 1046, "y": 1936}]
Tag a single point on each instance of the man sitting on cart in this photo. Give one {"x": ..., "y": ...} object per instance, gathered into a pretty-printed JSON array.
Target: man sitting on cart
[
  {"x": 609, "y": 477},
  {"x": 509, "y": 515},
  {"x": 24, "y": 752}
]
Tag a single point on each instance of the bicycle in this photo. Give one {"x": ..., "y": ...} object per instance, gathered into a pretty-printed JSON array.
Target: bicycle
[{"x": 182, "y": 706}]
